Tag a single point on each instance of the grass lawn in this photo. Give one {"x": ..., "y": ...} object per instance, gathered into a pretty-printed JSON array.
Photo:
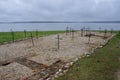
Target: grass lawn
[
  {"x": 7, "y": 36},
  {"x": 100, "y": 65}
]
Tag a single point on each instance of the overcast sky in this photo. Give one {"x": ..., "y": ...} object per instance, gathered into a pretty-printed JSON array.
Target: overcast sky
[{"x": 60, "y": 10}]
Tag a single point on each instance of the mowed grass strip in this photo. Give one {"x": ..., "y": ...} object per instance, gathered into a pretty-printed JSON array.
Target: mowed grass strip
[
  {"x": 7, "y": 36},
  {"x": 100, "y": 65}
]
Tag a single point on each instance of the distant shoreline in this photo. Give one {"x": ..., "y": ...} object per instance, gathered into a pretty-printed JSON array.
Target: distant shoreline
[{"x": 62, "y": 22}]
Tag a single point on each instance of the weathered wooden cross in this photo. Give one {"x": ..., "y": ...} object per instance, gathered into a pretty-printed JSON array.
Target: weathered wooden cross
[
  {"x": 111, "y": 31},
  {"x": 25, "y": 33},
  {"x": 37, "y": 34},
  {"x": 32, "y": 39},
  {"x": 89, "y": 36},
  {"x": 99, "y": 29},
  {"x": 58, "y": 43},
  {"x": 82, "y": 32},
  {"x": 67, "y": 30},
  {"x": 70, "y": 30},
  {"x": 105, "y": 33},
  {"x": 72, "y": 34},
  {"x": 12, "y": 33},
  {"x": 86, "y": 30}
]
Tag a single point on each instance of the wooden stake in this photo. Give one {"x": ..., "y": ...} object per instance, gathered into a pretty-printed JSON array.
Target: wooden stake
[
  {"x": 99, "y": 29},
  {"x": 66, "y": 30},
  {"x": 37, "y": 34},
  {"x": 12, "y": 33},
  {"x": 82, "y": 32},
  {"x": 86, "y": 31},
  {"x": 58, "y": 42},
  {"x": 105, "y": 32},
  {"x": 111, "y": 31},
  {"x": 89, "y": 36},
  {"x": 25, "y": 33},
  {"x": 32, "y": 39},
  {"x": 70, "y": 30},
  {"x": 72, "y": 34}
]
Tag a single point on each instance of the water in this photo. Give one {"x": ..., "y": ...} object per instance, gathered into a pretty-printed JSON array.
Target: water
[{"x": 6, "y": 27}]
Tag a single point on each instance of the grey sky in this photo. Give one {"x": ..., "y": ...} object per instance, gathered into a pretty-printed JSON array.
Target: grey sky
[{"x": 52, "y": 10}]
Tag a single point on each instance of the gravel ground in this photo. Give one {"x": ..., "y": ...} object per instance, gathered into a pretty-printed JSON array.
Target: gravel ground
[
  {"x": 14, "y": 71},
  {"x": 69, "y": 49},
  {"x": 45, "y": 51},
  {"x": 46, "y": 47}
]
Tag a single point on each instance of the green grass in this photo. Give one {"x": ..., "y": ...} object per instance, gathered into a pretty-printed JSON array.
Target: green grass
[
  {"x": 100, "y": 65},
  {"x": 109, "y": 31},
  {"x": 7, "y": 36}
]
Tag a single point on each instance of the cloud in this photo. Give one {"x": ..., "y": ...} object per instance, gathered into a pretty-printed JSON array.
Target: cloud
[{"x": 28, "y": 10}]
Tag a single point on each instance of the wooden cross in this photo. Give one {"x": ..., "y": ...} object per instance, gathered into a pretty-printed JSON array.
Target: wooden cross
[
  {"x": 89, "y": 36},
  {"x": 99, "y": 29},
  {"x": 105, "y": 32},
  {"x": 111, "y": 31},
  {"x": 12, "y": 33},
  {"x": 25, "y": 33},
  {"x": 70, "y": 30},
  {"x": 83, "y": 29},
  {"x": 72, "y": 34},
  {"x": 67, "y": 30},
  {"x": 58, "y": 37},
  {"x": 82, "y": 32},
  {"x": 86, "y": 30},
  {"x": 32, "y": 39},
  {"x": 37, "y": 34}
]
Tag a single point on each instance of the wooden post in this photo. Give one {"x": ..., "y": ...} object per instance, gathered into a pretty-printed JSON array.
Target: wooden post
[
  {"x": 12, "y": 33},
  {"x": 70, "y": 30},
  {"x": 25, "y": 33},
  {"x": 89, "y": 36},
  {"x": 86, "y": 31},
  {"x": 72, "y": 34},
  {"x": 82, "y": 32},
  {"x": 99, "y": 29},
  {"x": 66, "y": 30},
  {"x": 32, "y": 39},
  {"x": 105, "y": 32},
  {"x": 37, "y": 34},
  {"x": 58, "y": 42},
  {"x": 111, "y": 31}
]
